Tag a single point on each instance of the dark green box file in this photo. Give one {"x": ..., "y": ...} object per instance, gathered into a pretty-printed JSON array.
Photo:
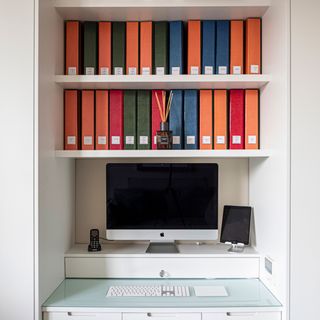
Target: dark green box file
[
  {"x": 160, "y": 46},
  {"x": 129, "y": 120},
  {"x": 143, "y": 119},
  {"x": 90, "y": 47},
  {"x": 118, "y": 48}
]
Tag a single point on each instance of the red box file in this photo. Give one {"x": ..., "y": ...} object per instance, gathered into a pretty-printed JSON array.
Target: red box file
[
  {"x": 253, "y": 46},
  {"x": 252, "y": 119},
  {"x": 102, "y": 120},
  {"x": 104, "y": 48},
  {"x": 146, "y": 47},
  {"x": 71, "y": 120},
  {"x": 72, "y": 47},
  {"x": 87, "y": 119},
  {"x": 194, "y": 47},
  {"x": 132, "y": 48},
  {"x": 236, "y": 119},
  {"x": 116, "y": 119}
]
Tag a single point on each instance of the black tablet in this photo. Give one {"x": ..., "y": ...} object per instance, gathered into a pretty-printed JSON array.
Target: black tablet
[{"x": 236, "y": 224}]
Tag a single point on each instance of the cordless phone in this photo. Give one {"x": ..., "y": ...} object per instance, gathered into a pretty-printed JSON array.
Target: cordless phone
[{"x": 94, "y": 244}]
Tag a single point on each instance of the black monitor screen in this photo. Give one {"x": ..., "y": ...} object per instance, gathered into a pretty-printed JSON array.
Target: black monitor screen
[
  {"x": 236, "y": 224},
  {"x": 162, "y": 196}
]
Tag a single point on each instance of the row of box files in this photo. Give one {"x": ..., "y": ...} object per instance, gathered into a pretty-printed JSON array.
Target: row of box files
[
  {"x": 130, "y": 119},
  {"x": 161, "y": 47}
]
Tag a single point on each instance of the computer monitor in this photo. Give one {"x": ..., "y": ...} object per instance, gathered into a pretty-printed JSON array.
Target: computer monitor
[{"x": 162, "y": 202}]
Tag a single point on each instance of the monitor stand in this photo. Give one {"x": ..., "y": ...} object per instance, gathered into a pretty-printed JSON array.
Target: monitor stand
[
  {"x": 162, "y": 247},
  {"x": 236, "y": 247}
]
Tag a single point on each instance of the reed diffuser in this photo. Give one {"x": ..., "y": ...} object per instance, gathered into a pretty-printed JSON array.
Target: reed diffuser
[{"x": 164, "y": 135}]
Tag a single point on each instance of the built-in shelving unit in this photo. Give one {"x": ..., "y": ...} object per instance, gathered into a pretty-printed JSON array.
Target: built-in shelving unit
[
  {"x": 163, "y": 82},
  {"x": 160, "y": 9},
  {"x": 208, "y": 154},
  {"x": 72, "y": 184}
]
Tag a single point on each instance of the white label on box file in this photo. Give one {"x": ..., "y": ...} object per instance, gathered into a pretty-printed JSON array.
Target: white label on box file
[
  {"x": 236, "y": 69},
  {"x": 160, "y": 71},
  {"x": 191, "y": 139},
  {"x": 129, "y": 139},
  {"x": 194, "y": 70},
  {"x": 72, "y": 71},
  {"x": 220, "y": 139},
  {"x": 132, "y": 71},
  {"x": 236, "y": 139},
  {"x": 206, "y": 140},
  {"x": 145, "y": 71},
  {"x": 87, "y": 140},
  {"x": 118, "y": 71},
  {"x": 175, "y": 70},
  {"x": 71, "y": 140},
  {"x": 104, "y": 71},
  {"x": 208, "y": 70},
  {"x": 176, "y": 140},
  {"x": 143, "y": 140},
  {"x": 102, "y": 140},
  {"x": 155, "y": 139},
  {"x": 252, "y": 139},
  {"x": 89, "y": 71},
  {"x": 115, "y": 140},
  {"x": 254, "y": 68},
  {"x": 222, "y": 70}
]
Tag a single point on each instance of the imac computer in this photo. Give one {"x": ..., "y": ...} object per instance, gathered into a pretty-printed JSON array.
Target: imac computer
[{"x": 162, "y": 203}]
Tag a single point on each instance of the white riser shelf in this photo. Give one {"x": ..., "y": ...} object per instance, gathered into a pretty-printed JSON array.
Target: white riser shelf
[
  {"x": 204, "y": 154},
  {"x": 125, "y": 10},
  {"x": 163, "y": 82}
]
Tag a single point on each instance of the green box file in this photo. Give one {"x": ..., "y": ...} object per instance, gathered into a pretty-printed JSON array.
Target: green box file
[
  {"x": 118, "y": 48},
  {"x": 129, "y": 120},
  {"x": 144, "y": 120},
  {"x": 160, "y": 47},
  {"x": 90, "y": 47}
]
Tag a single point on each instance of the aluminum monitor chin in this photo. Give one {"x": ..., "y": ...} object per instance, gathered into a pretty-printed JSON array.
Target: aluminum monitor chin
[{"x": 162, "y": 202}]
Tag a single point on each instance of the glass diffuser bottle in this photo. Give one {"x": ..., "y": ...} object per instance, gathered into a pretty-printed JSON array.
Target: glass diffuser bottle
[{"x": 164, "y": 135}]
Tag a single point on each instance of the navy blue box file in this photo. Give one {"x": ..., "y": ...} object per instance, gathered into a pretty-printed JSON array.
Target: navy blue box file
[
  {"x": 176, "y": 47},
  {"x": 223, "y": 47},
  {"x": 176, "y": 119},
  {"x": 208, "y": 47},
  {"x": 191, "y": 115}
]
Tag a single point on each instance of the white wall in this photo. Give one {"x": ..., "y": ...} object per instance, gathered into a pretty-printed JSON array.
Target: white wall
[
  {"x": 91, "y": 191},
  {"x": 305, "y": 120},
  {"x": 269, "y": 179},
  {"x": 56, "y": 176},
  {"x": 17, "y": 107}
]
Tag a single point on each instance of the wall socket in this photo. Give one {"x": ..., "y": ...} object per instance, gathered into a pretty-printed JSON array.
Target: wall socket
[{"x": 270, "y": 271}]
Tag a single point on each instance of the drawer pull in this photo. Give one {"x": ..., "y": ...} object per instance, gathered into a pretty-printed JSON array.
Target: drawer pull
[
  {"x": 241, "y": 314},
  {"x": 161, "y": 315},
  {"x": 164, "y": 274},
  {"x": 81, "y": 314}
]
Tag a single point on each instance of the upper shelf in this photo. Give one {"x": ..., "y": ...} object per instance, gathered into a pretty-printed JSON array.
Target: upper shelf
[
  {"x": 144, "y": 154},
  {"x": 163, "y": 82},
  {"x": 160, "y": 9}
]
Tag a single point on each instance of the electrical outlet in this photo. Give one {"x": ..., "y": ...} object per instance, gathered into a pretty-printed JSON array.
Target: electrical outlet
[{"x": 270, "y": 271}]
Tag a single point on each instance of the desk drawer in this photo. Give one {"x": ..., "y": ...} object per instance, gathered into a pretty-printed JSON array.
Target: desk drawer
[
  {"x": 161, "y": 316},
  {"x": 242, "y": 316},
  {"x": 151, "y": 267},
  {"x": 81, "y": 316}
]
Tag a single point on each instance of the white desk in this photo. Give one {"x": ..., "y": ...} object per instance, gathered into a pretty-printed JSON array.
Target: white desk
[{"x": 75, "y": 299}]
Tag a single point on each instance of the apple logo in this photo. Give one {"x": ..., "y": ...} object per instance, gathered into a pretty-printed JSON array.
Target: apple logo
[{"x": 162, "y": 234}]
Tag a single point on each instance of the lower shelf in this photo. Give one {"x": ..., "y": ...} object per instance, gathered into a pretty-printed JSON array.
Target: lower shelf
[{"x": 77, "y": 154}]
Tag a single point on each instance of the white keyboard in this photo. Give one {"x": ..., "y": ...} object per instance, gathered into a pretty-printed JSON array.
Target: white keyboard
[{"x": 148, "y": 291}]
